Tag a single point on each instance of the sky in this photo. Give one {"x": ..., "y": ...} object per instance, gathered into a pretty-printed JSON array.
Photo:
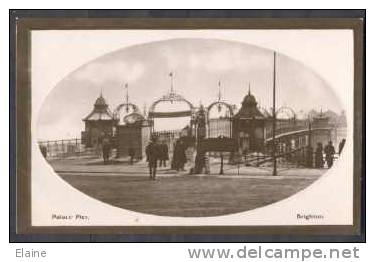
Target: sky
[{"x": 198, "y": 65}]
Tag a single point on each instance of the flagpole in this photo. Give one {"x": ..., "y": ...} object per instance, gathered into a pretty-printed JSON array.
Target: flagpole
[
  {"x": 171, "y": 75},
  {"x": 219, "y": 95},
  {"x": 127, "y": 97},
  {"x": 274, "y": 117},
  {"x": 127, "y": 93}
]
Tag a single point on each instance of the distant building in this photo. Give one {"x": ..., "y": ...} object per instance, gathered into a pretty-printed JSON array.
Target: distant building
[
  {"x": 341, "y": 120},
  {"x": 249, "y": 125},
  {"x": 100, "y": 121},
  {"x": 324, "y": 130},
  {"x": 250, "y": 128}
]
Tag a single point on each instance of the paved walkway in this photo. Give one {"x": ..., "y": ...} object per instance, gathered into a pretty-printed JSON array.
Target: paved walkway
[
  {"x": 179, "y": 193},
  {"x": 123, "y": 168}
]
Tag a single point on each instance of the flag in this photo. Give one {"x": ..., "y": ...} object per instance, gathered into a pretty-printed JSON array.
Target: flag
[{"x": 171, "y": 73}]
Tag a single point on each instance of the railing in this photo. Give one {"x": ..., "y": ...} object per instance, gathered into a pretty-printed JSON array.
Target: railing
[
  {"x": 300, "y": 157},
  {"x": 66, "y": 148},
  {"x": 286, "y": 129}
]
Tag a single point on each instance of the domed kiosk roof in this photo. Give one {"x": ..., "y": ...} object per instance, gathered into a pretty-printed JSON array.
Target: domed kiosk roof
[
  {"x": 249, "y": 100},
  {"x": 100, "y": 101},
  {"x": 249, "y": 108},
  {"x": 100, "y": 111}
]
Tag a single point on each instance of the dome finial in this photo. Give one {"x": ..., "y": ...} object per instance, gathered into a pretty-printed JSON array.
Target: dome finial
[
  {"x": 171, "y": 76},
  {"x": 100, "y": 101},
  {"x": 127, "y": 97},
  {"x": 219, "y": 95},
  {"x": 249, "y": 89}
]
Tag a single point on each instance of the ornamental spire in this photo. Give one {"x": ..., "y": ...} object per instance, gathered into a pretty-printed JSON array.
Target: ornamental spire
[
  {"x": 171, "y": 76},
  {"x": 219, "y": 94},
  {"x": 127, "y": 93},
  {"x": 127, "y": 97}
]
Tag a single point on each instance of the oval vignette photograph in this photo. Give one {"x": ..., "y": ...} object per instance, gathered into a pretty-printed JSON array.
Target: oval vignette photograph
[{"x": 191, "y": 127}]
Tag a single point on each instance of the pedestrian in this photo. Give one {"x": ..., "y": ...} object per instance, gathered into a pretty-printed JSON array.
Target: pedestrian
[
  {"x": 180, "y": 155},
  {"x": 341, "y": 145},
  {"x": 164, "y": 154},
  {"x": 106, "y": 147},
  {"x": 329, "y": 150},
  {"x": 131, "y": 154},
  {"x": 319, "y": 162},
  {"x": 152, "y": 154}
]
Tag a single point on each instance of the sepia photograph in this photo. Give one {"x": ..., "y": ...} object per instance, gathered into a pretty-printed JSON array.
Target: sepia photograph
[
  {"x": 192, "y": 127},
  {"x": 161, "y": 127}
]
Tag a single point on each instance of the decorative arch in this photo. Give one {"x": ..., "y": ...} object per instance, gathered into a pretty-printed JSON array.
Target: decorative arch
[
  {"x": 171, "y": 97},
  {"x": 219, "y": 103},
  {"x": 134, "y": 117},
  {"x": 288, "y": 111},
  {"x": 130, "y": 109}
]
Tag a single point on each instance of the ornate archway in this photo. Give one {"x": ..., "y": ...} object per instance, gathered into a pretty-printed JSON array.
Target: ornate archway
[
  {"x": 171, "y": 97},
  {"x": 219, "y": 104},
  {"x": 287, "y": 111},
  {"x": 285, "y": 116},
  {"x": 126, "y": 111}
]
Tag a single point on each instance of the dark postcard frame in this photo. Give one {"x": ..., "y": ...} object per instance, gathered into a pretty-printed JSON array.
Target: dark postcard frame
[{"x": 23, "y": 21}]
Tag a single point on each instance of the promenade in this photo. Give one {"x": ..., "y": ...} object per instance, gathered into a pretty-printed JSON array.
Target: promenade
[{"x": 180, "y": 193}]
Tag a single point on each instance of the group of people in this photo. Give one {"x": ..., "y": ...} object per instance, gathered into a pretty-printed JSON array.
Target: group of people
[
  {"x": 329, "y": 151},
  {"x": 159, "y": 152},
  {"x": 156, "y": 152}
]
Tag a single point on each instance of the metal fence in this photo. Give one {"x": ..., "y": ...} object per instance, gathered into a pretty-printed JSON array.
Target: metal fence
[
  {"x": 65, "y": 148},
  {"x": 73, "y": 148},
  {"x": 300, "y": 157}
]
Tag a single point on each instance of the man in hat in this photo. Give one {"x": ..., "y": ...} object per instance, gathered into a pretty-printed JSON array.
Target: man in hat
[
  {"x": 106, "y": 147},
  {"x": 319, "y": 162},
  {"x": 329, "y": 150},
  {"x": 164, "y": 154},
  {"x": 152, "y": 154}
]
